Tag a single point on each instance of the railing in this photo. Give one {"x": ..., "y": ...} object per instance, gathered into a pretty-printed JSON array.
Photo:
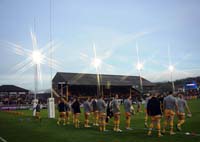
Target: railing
[{"x": 15, "y": 107}]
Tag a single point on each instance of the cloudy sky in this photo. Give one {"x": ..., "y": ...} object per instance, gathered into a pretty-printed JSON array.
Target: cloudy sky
[{"x": 164, "y": 31}]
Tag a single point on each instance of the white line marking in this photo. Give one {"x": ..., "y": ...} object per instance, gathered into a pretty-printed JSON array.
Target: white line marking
[{"x": 3, "y": 140}]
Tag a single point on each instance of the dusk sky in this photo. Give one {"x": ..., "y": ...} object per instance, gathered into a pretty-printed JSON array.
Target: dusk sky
[{"x": 115, "y": 26}]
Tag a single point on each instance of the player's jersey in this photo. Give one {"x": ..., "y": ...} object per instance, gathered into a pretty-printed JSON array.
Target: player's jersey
[
  {"x": 101, "y": 105},
  {"x": 181, "y": 105},
  {"x": 153, "y": 107},
  {"x": 127, "y": 105},
  {"x": 86, "y": 107},
  {"x": 115, "y": 106},
  {"x": 76, "y": 107},
  {"x": 169, "y": 102},
  {"x": 61, "y": 107},
  {"x": 94, "y": 105}
]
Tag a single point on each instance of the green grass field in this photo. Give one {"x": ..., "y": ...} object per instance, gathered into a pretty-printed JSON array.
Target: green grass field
[{"x": 15, "y": 128}]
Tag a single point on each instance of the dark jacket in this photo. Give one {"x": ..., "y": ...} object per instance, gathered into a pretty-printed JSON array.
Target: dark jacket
[
  {"x": 108, "y": 109},
  {"x": 38, "y": 108},
  {"x": 153, "y": 107},
  {"x": 61, "y": 107},
  {"x": 76, "y": 107},
  {"x": 94, "y": 105}
]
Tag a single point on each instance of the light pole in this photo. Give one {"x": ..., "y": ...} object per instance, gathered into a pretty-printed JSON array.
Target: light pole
[
  {"x": 139, "y": 67},
  {"x": 96, "y": 63},
  {"x": 171, "y": 69},
  {"x": 37, "y": 59}
]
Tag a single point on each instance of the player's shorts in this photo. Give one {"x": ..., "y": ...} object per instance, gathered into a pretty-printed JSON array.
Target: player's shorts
[
  {"x": 37, "y": 114},
  {"x": 169, "y": 113},
  {"x": 156, "y": 117},
  {"x": 181, "y": 113},
  {"x": 117, "y": 113},
  {"x": 62, "y": 114},
  {"x": 102, "y": 115},
  {"x": 87, "y": 113},
  {"x": 95, "y": 112},
  {"x": 68, "y": 113},
  {"x": 127, "y": 114},
  {"x": 77, "y": 113}
]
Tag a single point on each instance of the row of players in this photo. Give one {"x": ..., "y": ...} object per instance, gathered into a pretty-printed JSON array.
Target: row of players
[
  {"x": 154, "y": 108},
  {"x": 168, "y": 106}
]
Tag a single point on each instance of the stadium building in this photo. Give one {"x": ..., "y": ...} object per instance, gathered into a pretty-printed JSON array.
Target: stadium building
[
  {"x": 79, "y": 84},
  {"x": 11, "y": 94}
]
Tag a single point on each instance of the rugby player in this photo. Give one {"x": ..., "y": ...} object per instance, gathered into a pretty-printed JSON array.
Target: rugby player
[
  {"x": 116, "y": 113},
  {"x": 170, "y": 106},
  {"x": 76, "y": 111},
  {"x": 101, "y": 107},
  {"x": 38, "y": 107},
  {"x": 154, "y": 111},
  {"x": 95, "y": 112},
  {"x": 87, "y": 110},
  {"x": 62, "y": 113},
  {"x": 182, "y": 105},
  {"x": 128, "y": 111},
  {"x": 145, "y": 106}
]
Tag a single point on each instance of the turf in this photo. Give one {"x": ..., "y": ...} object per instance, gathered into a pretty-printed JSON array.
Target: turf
[{"x": 15, "y": 128}]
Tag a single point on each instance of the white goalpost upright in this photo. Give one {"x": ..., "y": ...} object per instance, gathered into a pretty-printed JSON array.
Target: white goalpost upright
[
  {"x": 51, "y": 107},
  {"x": 51, "y": 100}
]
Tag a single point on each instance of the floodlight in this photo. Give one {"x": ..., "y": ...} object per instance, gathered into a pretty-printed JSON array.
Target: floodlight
[
  {"x": 171, "y": 68},
  {"x": 139, "y": 66},
  {"x": 96, "y": 62},
  {"x": 37, "y": 57}
]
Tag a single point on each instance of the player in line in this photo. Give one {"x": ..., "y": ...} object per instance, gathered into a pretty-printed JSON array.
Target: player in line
[
  {"x": 101, "y": 106},
  {"x": 129, "y": 110},
  {"x": 76, "y": 111},
  {"x": 154, "y": 111},
  {"x": 95, "y": 111},
  {"x": 87, "y": 110},
  {"x": 116, "y": 113},
  {"x": 62, "y": 112},
  {"x": 182, "y": 105},
  {"x": 170, "y": 106},
  {"x": 146, "y": 114}
]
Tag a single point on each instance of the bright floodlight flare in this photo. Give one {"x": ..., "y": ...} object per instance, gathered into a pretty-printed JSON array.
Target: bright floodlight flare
[
  {"x": 139, "y": 66},
  {"x": 37, "y": 57},
  {"x": 171, "y": 68},
  {"x": 96, "y": 62}
]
